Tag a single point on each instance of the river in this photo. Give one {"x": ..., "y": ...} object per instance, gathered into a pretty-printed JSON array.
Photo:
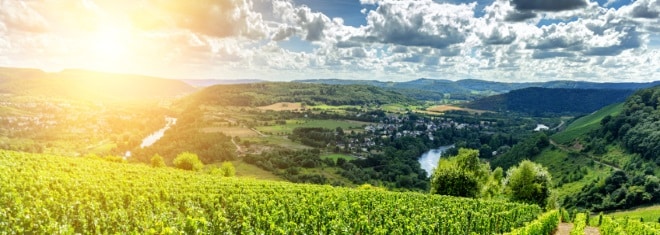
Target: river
[
  {"x": 151, "y": 139},
  {"x": 429, "y": 160}
]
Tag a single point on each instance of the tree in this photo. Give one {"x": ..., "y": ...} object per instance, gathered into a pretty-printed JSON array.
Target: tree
[
  {"x": 463, "y": 175},
  {"x": 188, "y": 161},
  {"x": 528, "y": 182},
  {"x": 157, "y": 161},
  {"x": 227, "y": 169}
]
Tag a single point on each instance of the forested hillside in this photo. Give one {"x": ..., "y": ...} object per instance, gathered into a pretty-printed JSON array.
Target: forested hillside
[
  {"x": 547, "y": 101},
  {"x": 259, "y": 94},
  {"x": 628, "y": 143}
]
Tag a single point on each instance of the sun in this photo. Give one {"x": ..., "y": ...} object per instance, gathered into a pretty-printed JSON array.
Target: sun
[{"x": 111, "y": 43}]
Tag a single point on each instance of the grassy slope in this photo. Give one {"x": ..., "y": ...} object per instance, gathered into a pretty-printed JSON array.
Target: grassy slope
[
  {"x": 584, "y": 125},
  {"x": 559, "y": 163},
  {"x": 649, "y": 214},
  {"x": 346, "y": 125}
]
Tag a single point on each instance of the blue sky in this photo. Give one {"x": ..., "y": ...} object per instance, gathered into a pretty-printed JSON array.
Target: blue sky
[{"x": 389, "y": 40}]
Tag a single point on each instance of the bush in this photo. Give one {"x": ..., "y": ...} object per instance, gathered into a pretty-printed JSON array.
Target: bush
[
  {"x": 188, "y": 161},
  {"x": 157, "y": 161},
  {"x": 227, "y": 169}
]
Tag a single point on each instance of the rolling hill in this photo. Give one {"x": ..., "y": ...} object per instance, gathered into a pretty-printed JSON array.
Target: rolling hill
[
  {"x": 551, "y": 101},
  {"x": 470, "y": 89},
  {"x": 260, "y": 94},
  {"x": 88, "y": 85},
  {"x": 586, "y": 124}
]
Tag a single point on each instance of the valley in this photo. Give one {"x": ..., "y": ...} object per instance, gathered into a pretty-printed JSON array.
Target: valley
[{"x": 343, "y": 137}]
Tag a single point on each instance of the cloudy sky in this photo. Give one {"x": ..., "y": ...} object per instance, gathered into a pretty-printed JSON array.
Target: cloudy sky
[{"x": 391, "y": 40}]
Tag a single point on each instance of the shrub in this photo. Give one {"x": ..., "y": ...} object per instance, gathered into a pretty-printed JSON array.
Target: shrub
[
  {"x": 188, "y": 161},
  {"x": 227, "y": 169},
  {"x": 157, "y": 161}
]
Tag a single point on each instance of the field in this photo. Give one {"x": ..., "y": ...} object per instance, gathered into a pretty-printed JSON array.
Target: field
[
  {"x": 232, "y": 131},
  {"x": 44, "y": 194},
  {"x": 648, "y": 214},
  {"x": 445, "y": 108},
  {"x": 283, "y": 106},
  {"x": 346, "y": 125},
  {"x": 584, "y": 125},
  {"x": 246, "y": 170},
  {"x": 335, "y": 156}
]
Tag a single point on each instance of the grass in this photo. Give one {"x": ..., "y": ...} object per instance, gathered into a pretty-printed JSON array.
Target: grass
[
  {"x": 246, "y": 170},
  {"x": 584, "y": 125},
  {"x": 346, "y": 125},
  {"x": 648, "y": 214},
  {"x": 444, "y": 108},
  {"x": 283, "y": 106},
  {"x": 280, "y": 141},
  {"x": 559, "y": 163},
  {"x": 335, "y": 156},
  {"x": 232, "y": 131}
]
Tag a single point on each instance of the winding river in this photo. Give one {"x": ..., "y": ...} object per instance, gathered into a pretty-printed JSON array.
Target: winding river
[{"x": 429, "y": 160}]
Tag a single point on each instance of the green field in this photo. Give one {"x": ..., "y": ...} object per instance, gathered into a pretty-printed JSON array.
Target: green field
[
  {"x": 45, "y": 194},
  {"x": 584, "y": 125},
  {"x": 335, "y": 156},
  {"x": 346, "y": 125},
  {"x": 648, "y": 214}
]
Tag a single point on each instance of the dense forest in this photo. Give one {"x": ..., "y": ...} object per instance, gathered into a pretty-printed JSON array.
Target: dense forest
[
  {"x": 546, "y": 101},
  {"x": 259, "y": 94}
]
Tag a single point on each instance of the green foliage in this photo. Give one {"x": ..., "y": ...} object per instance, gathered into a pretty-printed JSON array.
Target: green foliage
[
  {"x": 523, "y": 150},
  {"x": 228, "y": 169},
  {"x": 43, "y": 194},
  {"x": 157, "y": 161},
  {"x": 551, "y": 101},
  {"x": 543, "y": 225},
  {"x": 528, "y": 182},
  {"x": 583, "y": 125},
  {"x": 259, "y": 94},
  {"x": 611, "y": 226},
  {"x": 188, "y": 161},
  {"x": 579, "y": 224},
  {"x": 463, "y": 175}
]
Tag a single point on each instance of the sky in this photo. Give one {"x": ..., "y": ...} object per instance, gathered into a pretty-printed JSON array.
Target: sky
[{"x": 387, "y": 40}]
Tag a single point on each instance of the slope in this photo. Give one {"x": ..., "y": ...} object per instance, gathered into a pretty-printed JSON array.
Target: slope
[
  {"x": 586, "y": 124},
  {"x": 551, "y": 101},
  {"x": 89, "y": 85},
  {"x": 260, "y": 94},
  {"x": 44, "y": 194}
]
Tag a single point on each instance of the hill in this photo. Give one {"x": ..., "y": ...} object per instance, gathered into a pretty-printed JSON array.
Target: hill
[
  {"x": 551, "y": 101},
  {"x": 585, "y": 124},
  {"x": 44, "y": 194},
  {"x": 470, "y": 89},
  {"x": 612, "y": 158},
  {"x": 261, "y": 94},
  {"x": 88, "y": 85}
]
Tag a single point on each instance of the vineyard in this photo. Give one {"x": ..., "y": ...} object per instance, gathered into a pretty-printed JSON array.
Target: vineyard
[{"x": 58, "y": 195}]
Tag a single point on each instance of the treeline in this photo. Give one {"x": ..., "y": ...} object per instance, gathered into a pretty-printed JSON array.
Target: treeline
[
  {"x": 637, "y": 126},
  {"x": 551, "y": 101},
  {"x": 289, "y": 164},
  {"x": 259, "y": 94},
  {"x": 521, "y": 151}
]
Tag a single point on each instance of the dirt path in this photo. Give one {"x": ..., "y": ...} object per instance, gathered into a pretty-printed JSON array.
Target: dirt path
[
  {"x": 258, "y": 132},
  {"x": 239, "y": 150},
  {"x": 564, "y": 229},
  {"x": 562, "y": 147},
  {"x": 591, "y": 231}
]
